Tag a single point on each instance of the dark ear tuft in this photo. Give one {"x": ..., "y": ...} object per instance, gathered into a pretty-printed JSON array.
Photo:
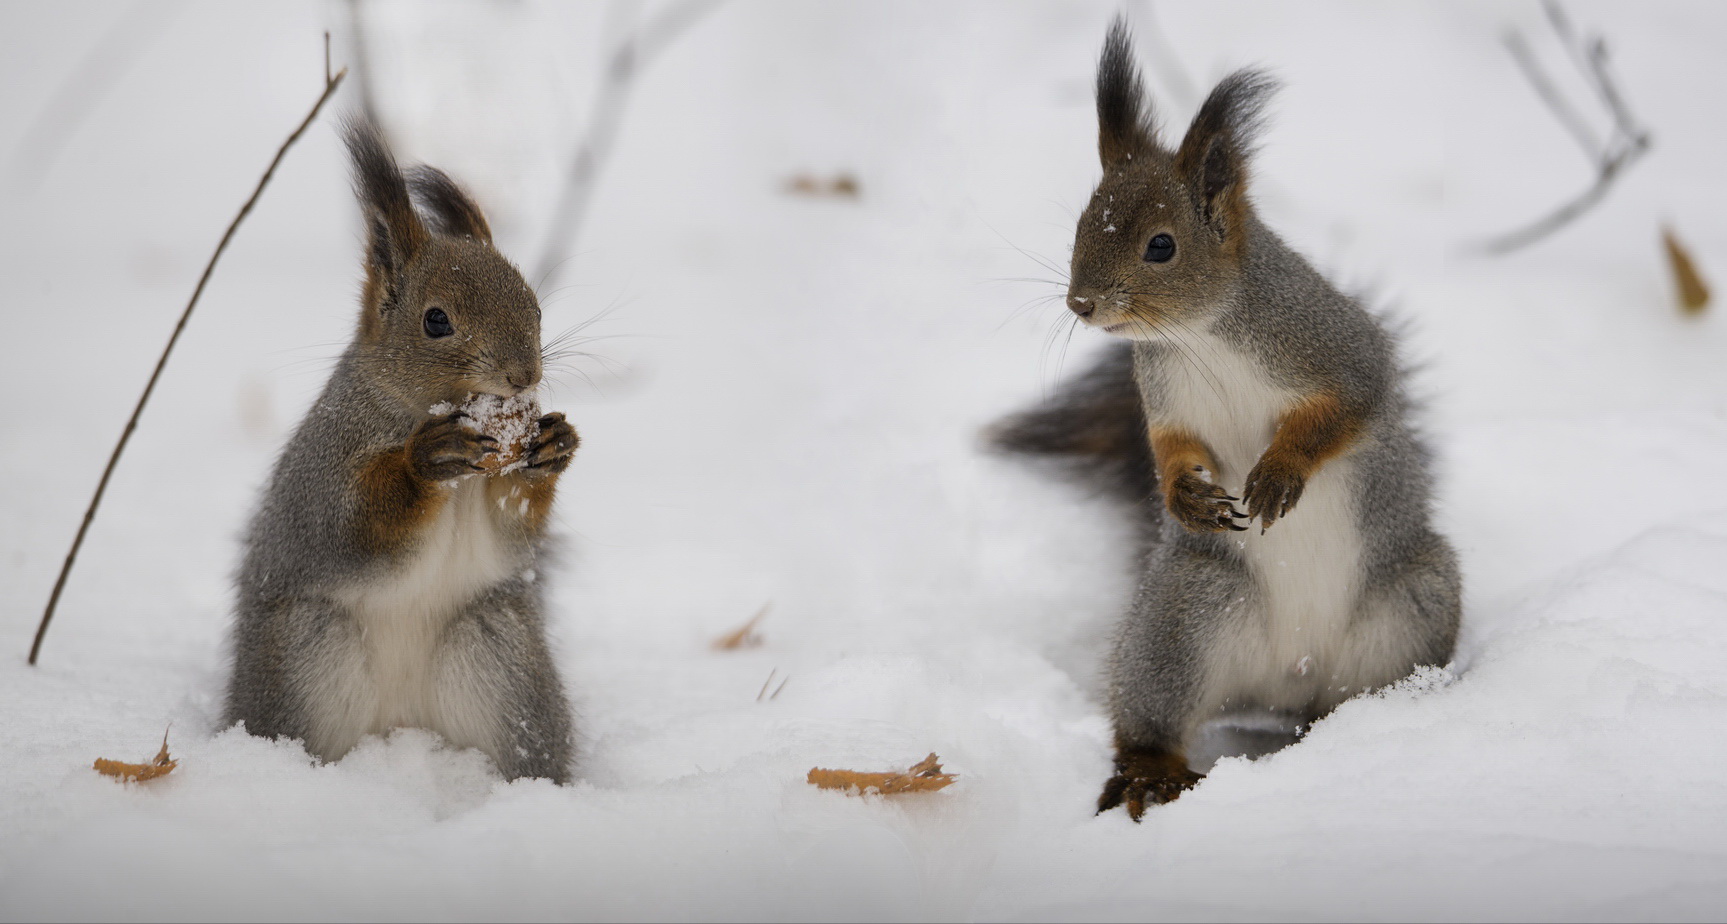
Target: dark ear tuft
[
  {"x": 451, "y": 209},
  {"x": 1124, "y": 119},
  {"x": 394, "y": 234},
  {"x": 1213, "y": 157}
]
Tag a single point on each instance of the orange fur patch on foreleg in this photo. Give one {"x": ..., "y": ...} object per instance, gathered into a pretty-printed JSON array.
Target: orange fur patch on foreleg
[
  {"x": 1178, "y": 452},
  {"x": 525, "y": 496},
  {"x": 1186, "y": 476},
  {"x": 394, "y": 502},
  {"x": 1316, "y": 430}
]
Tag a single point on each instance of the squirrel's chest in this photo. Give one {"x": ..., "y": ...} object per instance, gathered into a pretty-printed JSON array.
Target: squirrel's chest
[
  {"x": 1221, "y": 394},
  {"x": 1307, "y": 565},
  {"x": 402, "y": 612}
]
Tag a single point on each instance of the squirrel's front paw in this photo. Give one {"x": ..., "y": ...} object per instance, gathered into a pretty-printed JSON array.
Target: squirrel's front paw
[
  {"x": 1201, "y": 506},
  {"x": 554, "y": 447},
  {"x": 447, "y": 447},
  {"x": 1143, "y": 777},
  {"x": 1272, "y": 489}
]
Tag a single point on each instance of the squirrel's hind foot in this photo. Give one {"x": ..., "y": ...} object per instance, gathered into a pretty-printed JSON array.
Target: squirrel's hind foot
[{"x": 1146, "y": 777}]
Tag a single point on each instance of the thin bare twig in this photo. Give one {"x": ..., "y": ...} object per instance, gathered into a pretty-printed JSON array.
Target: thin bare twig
[
  {"x": 763, "y": 693},
  {"x": 634, "y": 53},
  {"x": 1627, "y": 140},
  {"x": 1549, "y": 93},
  {"x": 330, "y": 85},
  {"x": 1164, "y": 58},
  {"x": 360, "y": 48}
]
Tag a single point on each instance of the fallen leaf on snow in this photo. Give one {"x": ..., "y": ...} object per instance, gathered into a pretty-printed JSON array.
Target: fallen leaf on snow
[
  {"x": 841, "y": 186},
  {"x": 924, "y": 776},
  {"x": 1693, "y": 291},
  {"x": 161, "y": 765},
  {"x": 744, "y": 636}
]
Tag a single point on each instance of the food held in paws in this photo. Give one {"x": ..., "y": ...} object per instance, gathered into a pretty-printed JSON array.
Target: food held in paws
[{"x": 514, "y": 422}]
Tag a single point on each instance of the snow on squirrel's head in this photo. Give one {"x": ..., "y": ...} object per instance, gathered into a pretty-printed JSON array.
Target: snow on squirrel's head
[
  {"x": 1161, "y": 240},
  {"x": 442, "y": 313}
]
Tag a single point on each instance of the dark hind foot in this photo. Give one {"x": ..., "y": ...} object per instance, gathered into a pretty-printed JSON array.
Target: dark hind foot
[{"x": 1143, "y": 777}]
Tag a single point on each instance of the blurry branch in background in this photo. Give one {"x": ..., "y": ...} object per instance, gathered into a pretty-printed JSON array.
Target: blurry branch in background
[
  {"x": 633, "y": 53},
  {"x": 1627, "y": 140},
  {"x": 85, "y": 87},
  {"x": 330, "y": 85},
  {"x": 360, "y": 50},
  {"x": 1163, "y": 57}
]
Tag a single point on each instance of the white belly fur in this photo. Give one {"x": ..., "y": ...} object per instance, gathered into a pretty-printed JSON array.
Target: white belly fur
[
  {"x": 1306, "y": 568},
  {"x": 394, "y": 666}
]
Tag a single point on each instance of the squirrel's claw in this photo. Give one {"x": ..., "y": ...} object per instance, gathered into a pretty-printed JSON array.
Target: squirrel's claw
[
  {"x": 1203, "y": 506},
  {"x": 442, "y": 448},
  {"x": 554, "y": 447},
  {"x": 1113, "y": 792},
  {"x": 1272, "y": 491},
  {"x": 1124, "y": 790},
  {"x": 1143, "y": 779}
]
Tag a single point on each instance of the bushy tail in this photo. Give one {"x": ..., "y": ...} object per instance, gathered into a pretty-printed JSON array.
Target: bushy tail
[{"x": 1094, "y": 425}]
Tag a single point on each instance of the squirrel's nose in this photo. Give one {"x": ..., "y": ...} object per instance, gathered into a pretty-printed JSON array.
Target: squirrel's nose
[
  {"x": 1081, "y": 305},
  {"x": 520, "y": 382}
]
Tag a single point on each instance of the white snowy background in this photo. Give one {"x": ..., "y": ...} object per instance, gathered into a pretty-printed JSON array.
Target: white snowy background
[{"x": 788, "y": 414}]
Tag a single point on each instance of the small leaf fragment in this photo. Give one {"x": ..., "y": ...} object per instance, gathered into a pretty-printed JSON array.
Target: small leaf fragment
[
  {"x": 1693, "y": 291},
  {"x": 924, "y": 776},
  {"x": 839, "y": 186},
  {"x": 160, "y": 765},
  {"x": 745, "y": 635}
]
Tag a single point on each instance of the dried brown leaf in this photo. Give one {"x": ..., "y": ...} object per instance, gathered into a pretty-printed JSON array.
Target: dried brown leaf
[
  {"x": 924, "y": 776},
  {"x": 743, "y": 636},
  {"x": 840, "y": 186},
  {"x": 160, "y": 765},
  {"x": 1693, "y": 291}
]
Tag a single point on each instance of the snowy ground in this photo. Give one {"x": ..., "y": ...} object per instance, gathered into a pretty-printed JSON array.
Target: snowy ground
[{"x": 791, "y": 418}]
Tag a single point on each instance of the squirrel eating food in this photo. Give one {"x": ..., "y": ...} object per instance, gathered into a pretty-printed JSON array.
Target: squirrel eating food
[{"x": 391, "y": 571}]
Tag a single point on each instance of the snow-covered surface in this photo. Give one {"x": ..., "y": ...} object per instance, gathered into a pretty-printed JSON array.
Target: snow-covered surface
[{"x": 790, "y": 417}]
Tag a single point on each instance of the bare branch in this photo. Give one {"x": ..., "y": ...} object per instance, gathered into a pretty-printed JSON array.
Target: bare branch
[
  {"x": 1549, "y": 93},
  {"x": 360, "y": 50},
  {"x": 330, "y": 85},
  {"x": 1164, "y": 58},
  {"x": 1559, "y": 218},
  {"x": 634, "y": 53},
  {"x": 1625, "y": 144}
]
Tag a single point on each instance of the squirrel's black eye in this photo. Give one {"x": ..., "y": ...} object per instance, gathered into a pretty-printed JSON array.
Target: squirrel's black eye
[
  {"x": 437, "y": 323},
  {"x": 1160, "y": 249}
]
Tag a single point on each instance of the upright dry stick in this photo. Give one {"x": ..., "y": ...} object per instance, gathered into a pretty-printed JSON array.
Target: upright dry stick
[{"x": 330, "y": 85}]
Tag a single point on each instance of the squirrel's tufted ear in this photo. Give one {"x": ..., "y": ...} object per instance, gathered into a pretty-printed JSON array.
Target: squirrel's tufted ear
[
  {"x": 1213, "y": 157},
  {"x": 451, "y": 209},
  {"x": 394, "y": 233},
  {"x": 1125, "y": 126}
]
